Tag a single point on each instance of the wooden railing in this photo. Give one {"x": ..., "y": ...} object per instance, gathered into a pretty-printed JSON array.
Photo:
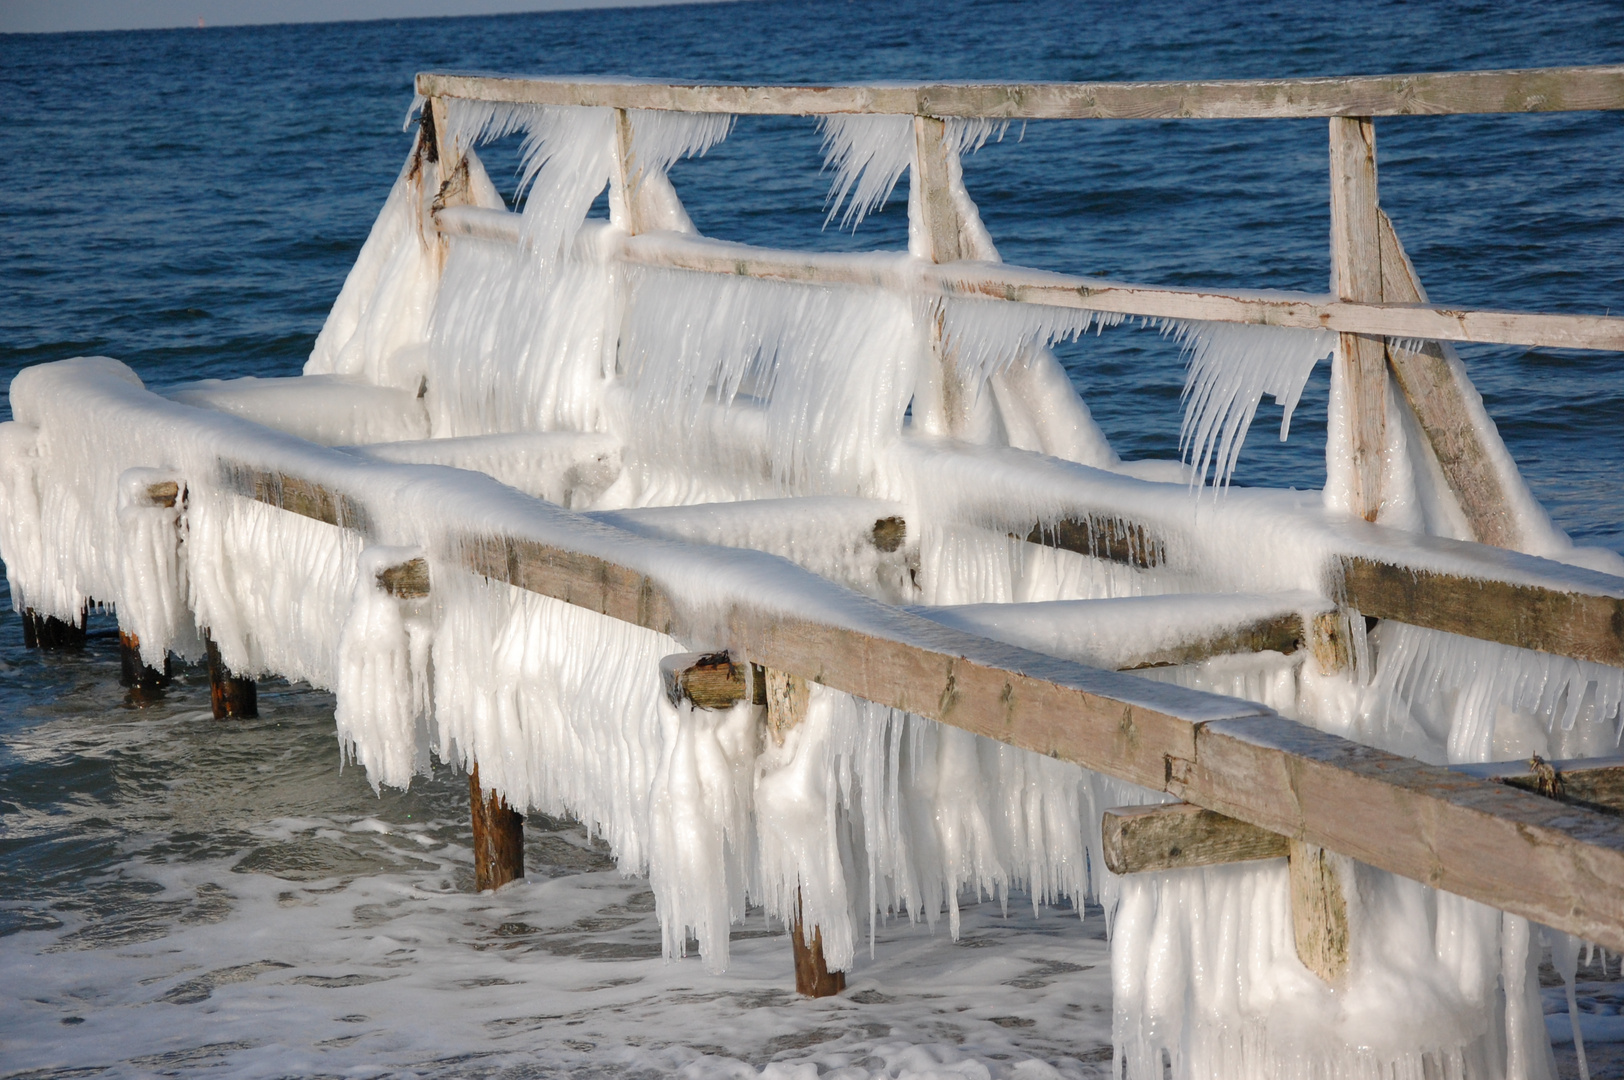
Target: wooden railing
[
  {"x": 1377, "y": 304},
  {"x": 1557, "y": 862}
]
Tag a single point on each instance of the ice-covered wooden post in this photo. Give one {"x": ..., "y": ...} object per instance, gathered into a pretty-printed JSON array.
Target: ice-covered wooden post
[
  {"x": 787, "y": 699},
  {"x": 1360, "y": 367},
  {"x": 718, "y": 681},
  {"x": 954, "y": 411},
  {"x": 1319, "y": 909},
  {"x": 144, "y": 681}
]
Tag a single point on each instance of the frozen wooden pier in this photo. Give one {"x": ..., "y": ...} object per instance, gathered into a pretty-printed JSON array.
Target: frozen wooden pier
[{"x": 808, "y": 581}]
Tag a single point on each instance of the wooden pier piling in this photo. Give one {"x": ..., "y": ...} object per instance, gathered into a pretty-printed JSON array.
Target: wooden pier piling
[
  {"x": 144, "y": 682},
  {"x": 498, "y": 837},
  {"x": 48, "y": 632},
  {"x": 231, "y": 696}
]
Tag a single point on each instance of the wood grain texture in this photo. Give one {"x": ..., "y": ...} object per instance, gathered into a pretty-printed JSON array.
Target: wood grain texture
[
  {"x": 1177, "y": 836},
  {"x": 1319, "y": 909},
  {"x": 1441, "y": 93},
  {"x": 1580, "y": 625},
  {"x": 405, "y": 581},
  {"x": 1360, "y": 368},
  {"x": 1017, "y": 284},
  {"x": 709, "y": 680},
  {"x": 1438, "y": 391},
  {"x": 788, "y": 697}
]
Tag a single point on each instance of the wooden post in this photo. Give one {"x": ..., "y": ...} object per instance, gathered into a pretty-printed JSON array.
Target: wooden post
[
  {"x": 145, "y": 683},
  {"x": 787, "y": 699},
  {"x": 955, "y": 411},
  {"x": 231, "y": 696},
  {"x": 498, "y": 837},
  {"x": 812, "y": 975},
  {"x": 1319, "y": 909},
  {"x": 1356, "y": 274},
  {"x": 49, "y": 632}
]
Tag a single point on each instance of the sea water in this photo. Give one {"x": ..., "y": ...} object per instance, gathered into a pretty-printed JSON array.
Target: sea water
[{"x": 181, "y": 896}]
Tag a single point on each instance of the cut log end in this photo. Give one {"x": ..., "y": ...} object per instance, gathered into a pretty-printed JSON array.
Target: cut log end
[
  {"x": 406, "y": 581},
  {"x": 707, "y": 680},
  {"x": 498, "y": 837}
]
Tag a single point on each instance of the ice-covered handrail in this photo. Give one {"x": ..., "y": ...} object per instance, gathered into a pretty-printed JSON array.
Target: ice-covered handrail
[
  {"x": 1002, "y": 281},
  {"x": 1564, "y": 89}
]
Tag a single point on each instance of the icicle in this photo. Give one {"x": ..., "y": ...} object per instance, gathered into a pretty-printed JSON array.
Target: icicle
[
  {"x": 985, "y": 337},
  {"x": 661, "y": 138},
  {"x": 868, "y": 154},
  {"x": 1565, "y": 958},
  {"x": 1230, "y": 367}
]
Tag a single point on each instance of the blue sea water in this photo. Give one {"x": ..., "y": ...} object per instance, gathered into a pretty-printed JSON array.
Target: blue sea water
[{"x": 190, "y": 201}]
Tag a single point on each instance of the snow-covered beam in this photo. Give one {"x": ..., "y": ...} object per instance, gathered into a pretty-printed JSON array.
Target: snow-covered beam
[{"x": 1438, "y": 93}]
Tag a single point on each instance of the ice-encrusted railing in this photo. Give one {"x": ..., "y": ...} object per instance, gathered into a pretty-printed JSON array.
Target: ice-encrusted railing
[{"x": 345, "y": 609}]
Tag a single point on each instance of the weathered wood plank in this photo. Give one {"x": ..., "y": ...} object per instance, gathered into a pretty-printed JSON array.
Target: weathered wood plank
[
  {"x": 1359, "y": 371},
  {"x": 1281, "y": 634},
  {"x": 1438, "y": 391},
  {"x": 1556, "y": 863},
  {"x": 1433, "y": 93},
  {"x": 298, "y": 496},
  {"x": 788, "y": 697},
  {"x": 1319, "y": 909},
  {"x": 1016, "y": 284},
  {"x": 1101, "y": 537},
  {"x": 1584, "y": 626},
  {"x": 1177, "y": 836}
]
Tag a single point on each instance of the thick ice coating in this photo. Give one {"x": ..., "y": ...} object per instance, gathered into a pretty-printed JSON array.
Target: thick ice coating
[{"x": 865, "y": 456}]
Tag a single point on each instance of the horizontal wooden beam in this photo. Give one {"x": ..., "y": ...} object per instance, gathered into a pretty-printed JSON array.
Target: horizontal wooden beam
[
  {"x": 1022, "y": 285},
  {"x": 1579, "y": 624},
  {"x": 1435, "y": 93},
  {"x": 1177, "y": 836},
  {"x": 1594, "y": 782}
]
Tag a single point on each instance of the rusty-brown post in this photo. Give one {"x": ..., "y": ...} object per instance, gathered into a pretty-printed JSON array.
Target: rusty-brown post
[
  {"x": 812, "y": 975},
  {"x": 498, "y": 837},
  {"x": 145, "y": 682},
  {"x": 232, "y": 697}
]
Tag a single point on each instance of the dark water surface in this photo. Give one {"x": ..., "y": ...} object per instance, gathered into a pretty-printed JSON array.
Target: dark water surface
[{"x": 190, "y": 202}]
